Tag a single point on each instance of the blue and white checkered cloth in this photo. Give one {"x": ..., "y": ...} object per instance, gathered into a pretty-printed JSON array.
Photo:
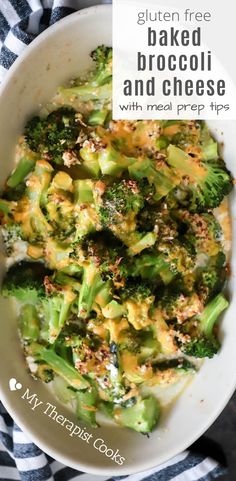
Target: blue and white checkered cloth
[{"x": 20, "y": 22}]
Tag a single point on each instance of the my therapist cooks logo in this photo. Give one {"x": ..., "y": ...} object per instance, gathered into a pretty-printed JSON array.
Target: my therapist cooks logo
[{"x": 73, "y": 429}]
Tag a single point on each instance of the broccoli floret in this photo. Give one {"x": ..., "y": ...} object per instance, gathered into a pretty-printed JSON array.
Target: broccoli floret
[
  {"x": 209, "y": 148},
  {"x": 109, "y": 255},
  {"x": 98, "y": 86},
  {"x": 23, "y": 168},
  {"x": 102, "y": 56},
  {"x": 60, "y": 207},
  {"x": 178, "y": 304},
  {"x": 203, "y": 342},
  {"x": 55, "y": 135},
  {"x": 120, "y": 204},
  {"x": 92, "y": 283},
  {"x": 136, "y": 290},
  {"x": 58, "y": 365},
  {"x": 55, "y": 306},
  {"x": 24, "y": 281},
  {"x": 86, "y": 210},
  {"x": 142, "y": 416},
  {"x": 120, "y": 200},
  {"x": 29, "y": 213},
  {"x": 30, "y": 283},
  {"x": 97, "y": 360},
  {"x": 211, "y": 278},
  {"x": 203, "y": 186},
  {"x": 158, "y": 175},
  {"x": 183, "y": 133},
  {"x": 202, "y": 231},
  {"x": 154, "y": 268},
  {"x": 160, "y": 220},
  {"x": 137, "y": 301},
  {"x": 112, "y": 162},
  {"x": 11, "y": 234}
]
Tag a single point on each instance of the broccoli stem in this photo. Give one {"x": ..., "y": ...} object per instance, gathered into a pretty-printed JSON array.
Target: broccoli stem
[
  {"x": 113, "y": 310},
  {"x": 91, "y": 285},
  {"x": 180, "y": 364},
  {"x": 150, "y": 266},
  {"x": 145, "y": 241},
  {"x": 86, "y": 406},
  {"x": 22, "y": 169},
  {"x": 211, "y": 313},
  {"x": 29, "y": 323},
  {"x": 7, "y": 206},
  {"x": 97, "y": 117},
  {"x": 142, "y": 416},
  {"x": 210, "y": 151},
  {"x": 83, "y": 191},
  {"x": 57, "y": 310},
  {"x": 90, "y": 161},
  {"x": 164, "y": 181},
  {"x": 178, "y": 159},
  {"x": 112, "y": 162},
  {"x": 60, "y": 367},
  {"x": 88, "y": 92},
  {"x": 104, "y": 295}
]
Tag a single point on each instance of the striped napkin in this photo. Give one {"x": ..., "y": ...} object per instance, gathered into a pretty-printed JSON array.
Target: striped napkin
[{"x": 20, "y": 22}]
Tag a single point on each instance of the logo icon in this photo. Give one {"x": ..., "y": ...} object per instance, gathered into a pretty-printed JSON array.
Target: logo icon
[{"x": 14, "y": 385}]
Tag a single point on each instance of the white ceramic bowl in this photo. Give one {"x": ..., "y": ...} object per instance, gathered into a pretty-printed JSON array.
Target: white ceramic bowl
[{"x": 56, "y": 56}]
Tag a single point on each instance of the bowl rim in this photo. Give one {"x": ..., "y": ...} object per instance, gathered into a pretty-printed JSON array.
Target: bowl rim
[{"x": 21, "y": 420}]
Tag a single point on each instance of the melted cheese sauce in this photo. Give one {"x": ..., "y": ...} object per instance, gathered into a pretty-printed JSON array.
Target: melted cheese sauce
[{"x": 170, "y": 384}]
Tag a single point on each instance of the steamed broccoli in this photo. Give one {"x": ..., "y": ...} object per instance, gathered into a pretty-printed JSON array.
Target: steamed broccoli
[
  {"x": 137, "y": 301},
  {"x": 109, "y": 255},
  {"x": 58, "y": 365},
  {"x": 211, "y": 278},
  {"x": 55, "y": 306},
  {"x": 153, "y": 268},
  {"x": 203, "y": 185},
  {"x": 30, "y": 283},
  {"x": 29, "y": 213},
  {"x": 203, "y": 342},
  {"x": 7, "y": 211},
  {"x": 209, "y": 148},
  {"x": 86, "y": 210},
  {"x": 113, "y": 162},
  {"x": 178, "y": 304},
  {"x": 86, "y": 405},
  {"x": 29, "y": 323},
  {"x": 178, "y": 364},
  {"x": 158, "y": 175},
  {"x": 160, "y": 220},
  {"x": 202, "y": 231},
  {"x": 97, "y": 117},
  {"x": 11, "y": 234},
  {"x": 24, "y": 281},
  {"x": 92, "y": 283},
  {"x": 121, "y": 201},
  {"x": 99, "y": 85},
  {"x": 55, "y": 136},
  {"x": 23, "y": 168},
  {"x": 141, "y": 417},
  {"x": 137, "y": 291}
]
